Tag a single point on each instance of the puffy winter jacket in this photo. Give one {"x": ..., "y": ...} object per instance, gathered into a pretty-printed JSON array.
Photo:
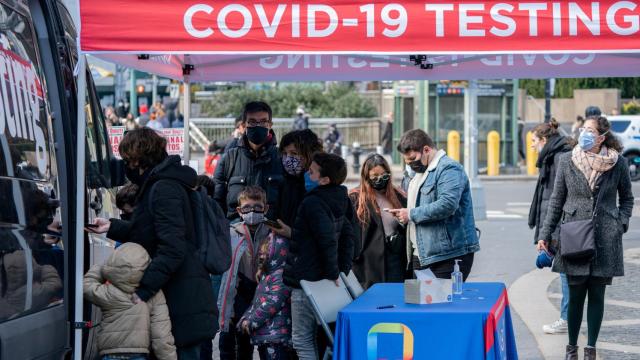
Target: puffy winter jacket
[
  {"x": 270, "y": 313},
  {"x": 242, "y": 167},
  {"x": 127, "y": 327},
  {"x": 323, "y": 237}
]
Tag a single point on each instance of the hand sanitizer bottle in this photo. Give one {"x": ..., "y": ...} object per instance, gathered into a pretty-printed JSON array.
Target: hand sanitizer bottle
[{"x": 456, "y": 277}]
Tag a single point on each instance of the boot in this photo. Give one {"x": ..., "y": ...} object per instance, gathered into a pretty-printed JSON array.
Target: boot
[
  {"x": 589, "y": 353},
  {"x": 572, "y": 353}
]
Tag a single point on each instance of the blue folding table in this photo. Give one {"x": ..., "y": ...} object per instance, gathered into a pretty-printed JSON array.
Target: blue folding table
[{"x": 379, "y": 325}]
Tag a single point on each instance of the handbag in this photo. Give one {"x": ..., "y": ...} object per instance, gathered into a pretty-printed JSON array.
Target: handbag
[{"x": 577, "y": 239}]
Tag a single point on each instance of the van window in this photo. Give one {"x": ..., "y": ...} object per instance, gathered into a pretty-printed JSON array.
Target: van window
[
  {"x": 31, "y": 254},
  {"x": 24, "y": 133},
  {"x": 620, "y": 126}
]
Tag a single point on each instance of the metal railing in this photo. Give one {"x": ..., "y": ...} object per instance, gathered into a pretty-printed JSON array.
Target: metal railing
[{"x": 365, "y": 131}]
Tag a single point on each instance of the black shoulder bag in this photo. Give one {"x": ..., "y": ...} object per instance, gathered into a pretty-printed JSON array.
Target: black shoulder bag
[{"x": 577, "y": 239}]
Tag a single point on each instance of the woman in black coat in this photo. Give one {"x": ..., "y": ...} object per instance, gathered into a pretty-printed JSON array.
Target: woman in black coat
[
  {"x": 550, "y": 145},
  {"x": 162, "y": 225},
  {"x": 297, "y": 148},
  {"x": 380, "y": 255}
]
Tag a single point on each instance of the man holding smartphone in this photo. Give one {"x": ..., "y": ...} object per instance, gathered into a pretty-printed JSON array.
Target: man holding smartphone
[{"x": 440, "y": 223}]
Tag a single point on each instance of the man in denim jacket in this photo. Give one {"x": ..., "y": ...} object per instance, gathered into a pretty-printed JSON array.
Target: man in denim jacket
[{"x": 439, "y": 218}]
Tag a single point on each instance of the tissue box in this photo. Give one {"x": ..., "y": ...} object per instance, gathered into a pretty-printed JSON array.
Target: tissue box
[{"x": 430, "y": 291}]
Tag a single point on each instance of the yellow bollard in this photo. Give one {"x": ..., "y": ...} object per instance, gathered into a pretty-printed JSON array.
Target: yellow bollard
[
  {"x": 532, "y": 156},
  {"x": 453, "y": 145},
  {"x": 493, "y": 153}
]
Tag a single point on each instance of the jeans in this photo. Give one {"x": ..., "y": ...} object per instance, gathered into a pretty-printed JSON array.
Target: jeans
[
  {"x": 303, "y": 326},
  {"x": 443, "y": 269},
  {"x": 274, "y": 352},
  {"x": 125, "y": 356},
  {"x": 189, "y": 352},
  {"x": 564, "y": 304}
]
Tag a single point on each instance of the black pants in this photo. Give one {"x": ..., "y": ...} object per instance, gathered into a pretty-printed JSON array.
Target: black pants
[
  {"x": 233, "y": 344},
  {"x": 443, "y": 269},
  {"x": 274, "y": 352}
]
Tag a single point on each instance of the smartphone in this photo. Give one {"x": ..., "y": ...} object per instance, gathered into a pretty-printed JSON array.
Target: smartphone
[
  {"x": 91, "y": 226},
  {"x": 386, "y": 210},
  {"x": 273, "y": 224}
]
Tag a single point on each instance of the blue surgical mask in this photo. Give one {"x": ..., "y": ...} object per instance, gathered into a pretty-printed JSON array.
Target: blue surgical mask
[
  {"x": 587, "y": 140},
  {"x": 309, "y": 184}
]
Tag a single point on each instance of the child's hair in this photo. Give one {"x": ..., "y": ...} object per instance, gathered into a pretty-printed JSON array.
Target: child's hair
[
  {"x": 263, "y": 248},
  {"x": 331, "y": 166},
  {"x": 305, "y": 141},
  {"x": 252, "y": 193},
  {"x": 127, "y": 195}
]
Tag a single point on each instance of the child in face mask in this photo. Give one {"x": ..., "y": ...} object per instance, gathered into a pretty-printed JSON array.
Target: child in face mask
[
  {"x": 126, "y": 202},
  {"x": 239, "y": 282},
  {"x": 268, "y": 320}
]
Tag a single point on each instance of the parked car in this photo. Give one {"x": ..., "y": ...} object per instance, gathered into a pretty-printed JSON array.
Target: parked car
[
  {"x": 627, "y": 128},
  {"x": 38, "y": 183}
]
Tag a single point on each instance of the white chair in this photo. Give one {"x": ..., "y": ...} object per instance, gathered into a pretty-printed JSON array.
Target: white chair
[
  {"x": 353, "y": 285},
  {"x": 327, "y": 300}
]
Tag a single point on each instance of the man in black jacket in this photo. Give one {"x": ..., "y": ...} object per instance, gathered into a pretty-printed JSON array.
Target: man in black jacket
[
  {"x": 256, "y": 161},
  {"x": 163, "y": 225},
  {"x": 321, "y": 243}
]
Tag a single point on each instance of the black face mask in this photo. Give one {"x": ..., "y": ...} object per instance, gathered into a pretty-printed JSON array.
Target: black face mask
[
  {"x": 418, "y": 166},
  {"x": 257, "y": 134},
  {"x": 134, "y": 176},
  {"x": 379, "y": 184},
  {"x": 126, "y": 216}
]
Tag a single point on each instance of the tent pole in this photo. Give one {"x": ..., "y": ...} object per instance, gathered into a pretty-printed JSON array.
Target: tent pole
[
  {"x": 186, "y": 112},
  {"x": 80, "y": 199},
  {"x": 471, "y": 149}
]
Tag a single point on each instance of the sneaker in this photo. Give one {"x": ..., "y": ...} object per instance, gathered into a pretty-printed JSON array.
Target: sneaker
[{"x": 558, "y": 327}]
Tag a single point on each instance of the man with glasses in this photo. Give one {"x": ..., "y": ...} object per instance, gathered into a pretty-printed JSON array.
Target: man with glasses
[{"x": 255, "y": 162}]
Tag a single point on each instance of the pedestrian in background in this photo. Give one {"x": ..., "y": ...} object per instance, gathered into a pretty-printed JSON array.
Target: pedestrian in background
[
  {"x": 238, "y": 133},
  {"x": 589, "y": 181},
  {"x": 301, "y": 122},
  {"x": 550, "y": 145},
  {"x": 441, "y": 226},
  {"x": 297, "y": 149},
  {"x": 212, "y": 159},
  {"x": 162, "y": 225},
  {"x": 333, "y": 140},
  {"x": 575, "y": 128},
  {"x": 256, "y": 161},
  {"x": 380, "y": 254}
]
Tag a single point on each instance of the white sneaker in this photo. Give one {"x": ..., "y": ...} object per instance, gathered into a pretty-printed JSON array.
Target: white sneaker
[{"x": 558, "y": 327}]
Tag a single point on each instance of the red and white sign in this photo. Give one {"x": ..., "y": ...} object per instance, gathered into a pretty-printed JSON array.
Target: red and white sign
[
  {"x": 375, "y": 26},
  {"x": 175, "y": 140}
]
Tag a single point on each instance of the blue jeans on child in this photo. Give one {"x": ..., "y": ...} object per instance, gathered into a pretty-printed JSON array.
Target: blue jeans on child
[{"x": 564, "y": 304}]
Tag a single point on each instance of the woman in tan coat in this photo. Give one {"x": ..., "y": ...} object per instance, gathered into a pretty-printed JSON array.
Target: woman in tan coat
[{"x": 128, "y": 329}]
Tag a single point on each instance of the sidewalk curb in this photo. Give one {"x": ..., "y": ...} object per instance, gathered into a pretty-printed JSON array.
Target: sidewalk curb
[{"x": 528, "y": 297}]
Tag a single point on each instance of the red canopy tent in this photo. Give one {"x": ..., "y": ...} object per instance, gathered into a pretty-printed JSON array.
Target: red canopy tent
[{"x": 356, "y": 40}]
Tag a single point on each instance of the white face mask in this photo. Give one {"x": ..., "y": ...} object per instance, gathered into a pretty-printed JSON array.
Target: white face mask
[{"x": 253, "y": 218}]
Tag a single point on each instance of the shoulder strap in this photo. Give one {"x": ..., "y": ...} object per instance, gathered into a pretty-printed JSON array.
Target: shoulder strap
[{"x": 232, "y": 168}]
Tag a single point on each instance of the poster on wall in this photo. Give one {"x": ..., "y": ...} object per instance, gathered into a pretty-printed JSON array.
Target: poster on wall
[{"x": 175, "y": 140}]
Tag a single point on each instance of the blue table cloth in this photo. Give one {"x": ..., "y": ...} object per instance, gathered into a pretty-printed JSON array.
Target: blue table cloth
[{"x": 476, "y": 325}]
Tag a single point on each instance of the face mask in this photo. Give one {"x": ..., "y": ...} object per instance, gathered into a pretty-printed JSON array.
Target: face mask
[
  {"x": 257, "y": 134},
  {"x": 587, "y": 140},
  {"x": 380, "y": 183},
  {"x": 134, "y": 176},
  {"x": 417, "y": 165},
  {"x": 292, "y": 165},
  {"x": 253, "y": 218},
  {"x": 308, "y": 183}
]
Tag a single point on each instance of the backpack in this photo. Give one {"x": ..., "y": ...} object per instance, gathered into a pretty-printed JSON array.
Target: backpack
[{"x": 211, "y": 230}]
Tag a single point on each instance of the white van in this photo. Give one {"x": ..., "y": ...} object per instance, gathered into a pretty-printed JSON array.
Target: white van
[{"x": 627, "y": 128}]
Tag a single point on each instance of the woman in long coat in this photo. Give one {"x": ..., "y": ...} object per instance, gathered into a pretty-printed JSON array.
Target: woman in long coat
[
  {"x": 589, "y": 181},
  {"x": 380, "y": 253}
]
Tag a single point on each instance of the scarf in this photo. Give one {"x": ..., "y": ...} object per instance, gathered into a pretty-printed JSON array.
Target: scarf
[{"x": 592, "y": 165}]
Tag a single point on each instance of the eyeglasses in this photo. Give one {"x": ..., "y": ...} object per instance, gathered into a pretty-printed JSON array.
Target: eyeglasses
[
  {"x": 383, "y": 177},
  {"x": 248, "y": 209},
  {"x": 264, "y": 123}
]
